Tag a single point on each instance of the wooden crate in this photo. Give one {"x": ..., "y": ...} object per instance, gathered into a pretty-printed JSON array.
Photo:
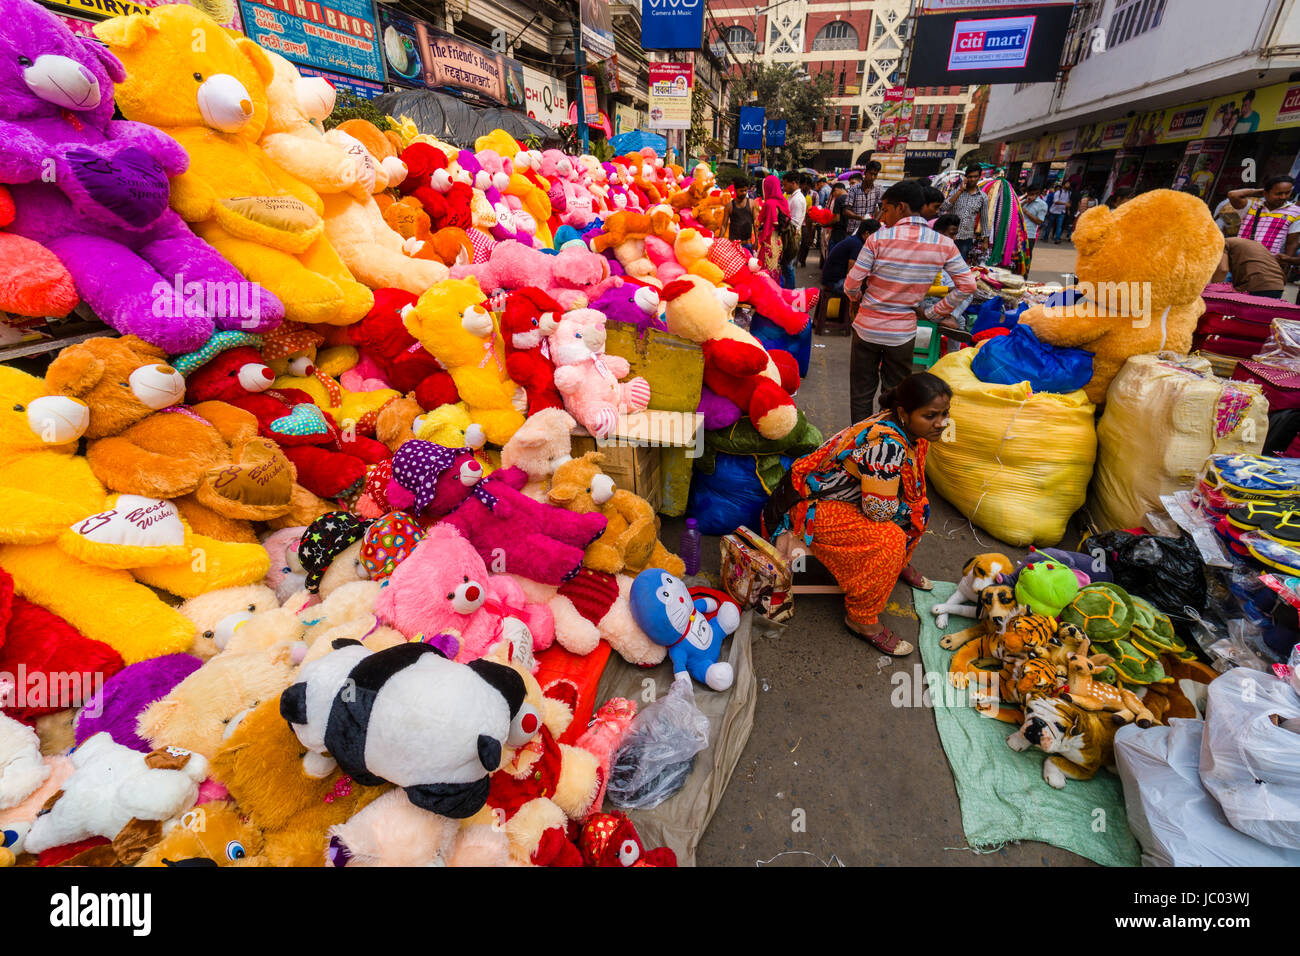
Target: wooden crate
[
  {"x": 673, "y": 366},
  {"x": 651, "y": 454}
]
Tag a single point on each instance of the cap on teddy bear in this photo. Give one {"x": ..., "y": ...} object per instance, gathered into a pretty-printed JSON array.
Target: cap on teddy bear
[{"x": 325, "y": 539}]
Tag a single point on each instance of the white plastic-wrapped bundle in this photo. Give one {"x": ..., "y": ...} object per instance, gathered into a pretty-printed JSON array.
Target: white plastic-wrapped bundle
[{"x": 1164, "y": 415}]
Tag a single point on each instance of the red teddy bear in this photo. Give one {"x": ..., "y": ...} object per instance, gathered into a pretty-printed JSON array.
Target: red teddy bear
[
  {"x": 406, "y": 364},
  {"x": 530, "y": 316},
  {"x": 447, "y": 201},
  {"x": 330, "y": 461}
]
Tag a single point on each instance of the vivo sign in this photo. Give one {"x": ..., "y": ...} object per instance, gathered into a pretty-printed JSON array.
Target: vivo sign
[
  {"x": 751, "y": 126},
  {"x": 672, "y": 24},
  {"x": 997, "y": 44}
]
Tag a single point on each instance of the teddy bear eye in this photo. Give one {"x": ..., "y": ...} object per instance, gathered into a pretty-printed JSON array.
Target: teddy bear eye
[
  {"x": 199, "y": 77},
  {"x": 124, "y": 384},
  {"x": 20, "y": 408},
  {"x": 252, "y": 607},
  {"x": 24, "y": 61},
  {"x": 208, "y": 634},
  {"x": 451, "y": 595},
  {"x": 467, "y": 579}
]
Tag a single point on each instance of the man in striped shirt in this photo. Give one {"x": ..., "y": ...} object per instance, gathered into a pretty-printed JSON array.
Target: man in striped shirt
[{"x": 895, "y": 268}]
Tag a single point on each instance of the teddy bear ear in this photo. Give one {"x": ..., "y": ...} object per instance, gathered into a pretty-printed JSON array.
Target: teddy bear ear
[
  {"x": 111, "y": 64},
  {"x": 124, "y": 33},
  {"x": 74, "y": 372},
  {"x": 257, "y": 56},
  {"x": 142, "y": 348},
  {"x": 1092, "y": 228},
  {"x": 155, "y": 717}
]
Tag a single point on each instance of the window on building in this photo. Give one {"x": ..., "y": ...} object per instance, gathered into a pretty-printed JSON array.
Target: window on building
[
  {"x": 740, "y": 39},
  {"x": 1132, "y": 18},
  {"x": 862, "y": 66},
  {"x": 836, "y": 35},
  {"x": 854, "y": 120}
]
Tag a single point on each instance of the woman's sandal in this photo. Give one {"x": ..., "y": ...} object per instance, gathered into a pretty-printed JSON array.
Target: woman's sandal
[
  {"x": 887, "y": 642},
  {"x": 914, "y": 578}
]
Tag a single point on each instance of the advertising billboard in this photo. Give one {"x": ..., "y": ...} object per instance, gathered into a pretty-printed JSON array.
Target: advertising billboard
[
  {"x": 672, "y": 24},
  {"x": 975, "y": 47},
  {"x": 419, "y": 54},
  {"x": 671, "y": 85},
  {"x": 338, "y": 35}
]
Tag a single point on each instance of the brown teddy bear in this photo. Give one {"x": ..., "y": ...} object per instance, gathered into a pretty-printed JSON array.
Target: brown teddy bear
[
  {"x": 261, "y": 765},
  {"x": 1160, "y": 249},
  {"x": 141, "y": 441},
  {"x": 212, "y": 831},
  {"x": 631, "y": 539}
]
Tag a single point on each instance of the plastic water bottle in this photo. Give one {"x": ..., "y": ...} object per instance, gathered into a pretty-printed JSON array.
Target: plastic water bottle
[{"x": 691, "y": 546}]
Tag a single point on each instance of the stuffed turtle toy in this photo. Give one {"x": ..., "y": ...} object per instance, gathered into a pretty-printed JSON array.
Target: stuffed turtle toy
[
  {"x": 1046, "y": 587},
  {"x": 1103, "y": 611}
]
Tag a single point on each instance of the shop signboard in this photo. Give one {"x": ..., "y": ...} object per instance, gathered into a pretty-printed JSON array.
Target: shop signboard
[
  {"x": 750, "y": 133},
  {"x": 597, "y": 28},
  {"x": 99, "y": 9},
  {"x": 590, "y": 105},
  {"x": 546, "y": 98},
  {"x": 362, "y": 88},
  {"x": 671, "y": 85},
  {"x": 832, "y": 136},
  {"x": 338, "y": 35},
  {"x": 672, "y": 24},
  {"x": 1200, "y": 166},
  {"x": 419, "y": 54}
]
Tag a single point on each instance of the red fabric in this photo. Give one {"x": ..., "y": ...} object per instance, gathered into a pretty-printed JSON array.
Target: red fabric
[
  {"x": 573, "y": 678},
  {"x": 529, "y": 367},
  {"x": 61, "y": 854},
  {"x": 42, "y": 643},
  {"x": 592, "y": 593},
  {"x": 510, "y": 793}
]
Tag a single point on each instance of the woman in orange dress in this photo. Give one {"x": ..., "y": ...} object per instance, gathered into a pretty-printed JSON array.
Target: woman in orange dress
[{"x": 859, "y": 502}]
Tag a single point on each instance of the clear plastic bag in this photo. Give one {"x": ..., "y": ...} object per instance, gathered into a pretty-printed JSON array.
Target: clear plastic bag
[
  {"x": 1248, "y": 763},
  {"x": 659, "y": 751},
  {"x": 1282, "y": 347}
]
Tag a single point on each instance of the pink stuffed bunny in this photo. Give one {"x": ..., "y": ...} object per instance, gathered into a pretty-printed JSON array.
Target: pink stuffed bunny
[
  {"x": 573, "y": 277},
  {"x": 443, "y": 587},
  {"x": 588, "y": 379}
]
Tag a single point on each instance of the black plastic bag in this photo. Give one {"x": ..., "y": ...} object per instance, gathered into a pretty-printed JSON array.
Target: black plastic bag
[{"x": 1168, "y": 572}]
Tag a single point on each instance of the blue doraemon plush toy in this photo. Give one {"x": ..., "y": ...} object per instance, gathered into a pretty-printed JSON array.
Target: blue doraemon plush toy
[{"x": 691, "y": 622}]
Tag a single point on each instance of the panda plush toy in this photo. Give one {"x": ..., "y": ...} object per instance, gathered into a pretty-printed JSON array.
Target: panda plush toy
[
  {"x": 408, "y": 716},
  {"x": 691, "y": 622}
]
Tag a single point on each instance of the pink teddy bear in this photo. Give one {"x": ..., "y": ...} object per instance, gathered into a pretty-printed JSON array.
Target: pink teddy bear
[
  {"x": 444, "y": 588},
  {"x": 588, "y": 379},
  {"x": 572, "y": 277}
]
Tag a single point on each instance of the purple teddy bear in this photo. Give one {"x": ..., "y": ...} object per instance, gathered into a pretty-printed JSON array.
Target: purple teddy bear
[{"x": 95, "y": 192}]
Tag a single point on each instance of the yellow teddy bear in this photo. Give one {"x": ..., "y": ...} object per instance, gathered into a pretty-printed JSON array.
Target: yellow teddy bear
[
  {"x": 1142, "y": 268},
  {"x": 45, "y": 488},
  {"x": 206, "y": 89},
  {"x": 345, "y": 174},
  {"x": 452, "y": 322}
]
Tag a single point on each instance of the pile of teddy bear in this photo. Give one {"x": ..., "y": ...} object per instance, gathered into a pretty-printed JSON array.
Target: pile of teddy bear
[{"x": 299, "y": 569}]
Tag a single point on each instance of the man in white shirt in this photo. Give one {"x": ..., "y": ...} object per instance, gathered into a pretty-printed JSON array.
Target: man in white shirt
[
  {"x": 798, "y": 211},
  {"x": 1035, "y": 209},
  {"x": 1058, "y": 204}
]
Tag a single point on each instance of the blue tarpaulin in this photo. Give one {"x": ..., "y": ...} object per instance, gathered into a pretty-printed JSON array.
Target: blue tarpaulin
[{"x": 634, "y": 141}]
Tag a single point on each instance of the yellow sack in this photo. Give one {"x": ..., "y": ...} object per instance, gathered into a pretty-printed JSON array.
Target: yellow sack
[
  {"x": 1164, "y": 416},
  {"x": 1015, "y": 462}
]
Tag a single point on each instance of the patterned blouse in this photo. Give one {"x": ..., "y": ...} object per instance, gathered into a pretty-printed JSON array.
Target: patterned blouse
[{"x": 872, "y": 464}]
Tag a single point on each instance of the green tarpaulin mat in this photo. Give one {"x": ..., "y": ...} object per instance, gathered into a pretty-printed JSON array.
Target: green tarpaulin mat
[{"x": 1003, "y": 795}]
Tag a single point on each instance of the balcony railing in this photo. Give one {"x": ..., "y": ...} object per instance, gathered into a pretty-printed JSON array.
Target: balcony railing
[
  {"x": 742, "y": 47},
  {"x": 824, "y": 44}
]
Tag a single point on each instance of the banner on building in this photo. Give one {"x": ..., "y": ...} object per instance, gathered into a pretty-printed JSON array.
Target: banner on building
[
  {"x": 896, "y": 121},
  {"x": 983, "y": 6},
  {"x": 597, "y": 28},
  {"x": 590, "y": 105},
  {"x": 362, "y": 88},
  {"x": 419, "y": 54},
  {"x": 1200, "y": 166},
  {"x": 626, "y": 119},
  {"x": 340, "y": 35},
  {"x": 611, "y": 74},
  {"x": 99, "y": 9},
  {"x": 671, "y": 85},
  {"x": 750, "y": 133},
  {"x": 546, "y": 98},
  {"x": 672, "y": 24},
  {"x": 776, "y": 132}
]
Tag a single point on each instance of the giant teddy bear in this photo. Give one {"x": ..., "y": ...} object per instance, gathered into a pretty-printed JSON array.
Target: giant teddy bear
[
  {"x": 1161, "y": 248},
  {"x": 94, "y": 191},
  {"x": 342, "y": 170},
  {"x": 207, "y": 90}
]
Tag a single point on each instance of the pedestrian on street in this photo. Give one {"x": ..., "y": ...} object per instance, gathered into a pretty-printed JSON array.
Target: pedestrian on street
[
  {"x": 892, "y": 274},
  {"x": 863, "y": 199},
  {"x": 842, "y": 256},
  {"x": 971, "y": 206},
  {"x": 1270, "y": 217},
  {"x": 793, "y": 237},
  {"x": 860, "y": 503},
  {"x": 1058, "y": 205},
  {"x": 933, "y": 200},
  {"x": 738, "y": 216},
  {"x": 773, "y": 220},
  {"x": 839, "y": 227},
  {"x": 1034, "y": 206},
  {"x": 1255, "y": 270},
  {"x": 806, "y": 231}
]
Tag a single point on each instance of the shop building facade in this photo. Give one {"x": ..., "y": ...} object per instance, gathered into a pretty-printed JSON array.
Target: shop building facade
[{"x": 1196, "y": 95}]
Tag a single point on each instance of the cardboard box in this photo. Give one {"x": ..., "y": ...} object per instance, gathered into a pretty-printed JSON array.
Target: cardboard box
[
  {"x": 651, "y": 454},
  {"x": 636, "y": 468}
]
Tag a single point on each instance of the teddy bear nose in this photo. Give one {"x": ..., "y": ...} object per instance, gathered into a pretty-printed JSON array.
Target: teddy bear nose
[
  {"x": 246, "y": 107},
  {"x": 58, "y": 419},
  {"x": 470, "y": 473},
  {"x": 467, "y": 598},
  {"x": 158, "y": 386},
  {"x": 255, "y": 377},
  {"x": 225, "y": 103},
  {"x": 62, "y": 81}
]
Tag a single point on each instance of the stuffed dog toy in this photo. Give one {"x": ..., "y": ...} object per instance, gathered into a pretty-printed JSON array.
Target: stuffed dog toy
[{"x": 977, "y": 574}]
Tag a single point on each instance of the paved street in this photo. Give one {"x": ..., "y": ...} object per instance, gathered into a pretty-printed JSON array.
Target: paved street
[{"x": 872, "y": 779}]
